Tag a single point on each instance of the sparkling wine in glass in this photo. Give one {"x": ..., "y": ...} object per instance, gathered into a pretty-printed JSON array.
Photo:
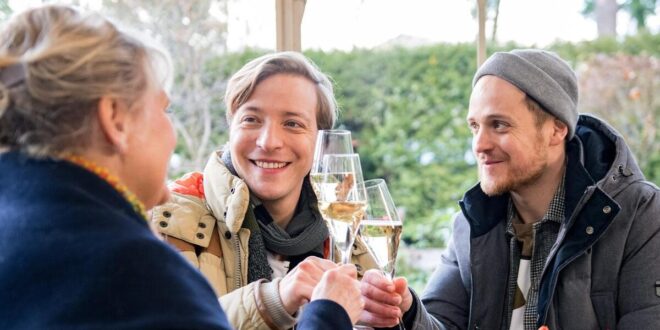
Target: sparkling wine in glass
[
  {"x": 381, "y": 226},
  {"x": 342, "y": 198},
  {"x": 329, "y": 142}
]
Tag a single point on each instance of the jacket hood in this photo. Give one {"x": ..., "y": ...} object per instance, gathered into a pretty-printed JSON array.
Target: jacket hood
[{"x": 605, "y": 155}]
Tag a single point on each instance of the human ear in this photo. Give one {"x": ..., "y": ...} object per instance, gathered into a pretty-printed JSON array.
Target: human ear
[
  {"x": 113, "y": 120},
  {"x": 559, "y": 132}
]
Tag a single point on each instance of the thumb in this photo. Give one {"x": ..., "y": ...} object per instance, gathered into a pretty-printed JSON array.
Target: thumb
[
  {"x": 348, "y": 269},
  {"x": 400, "y": 284}
]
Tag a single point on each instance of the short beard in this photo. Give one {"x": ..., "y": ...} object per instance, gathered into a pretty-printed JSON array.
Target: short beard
[{"x": 519, "y": 177}]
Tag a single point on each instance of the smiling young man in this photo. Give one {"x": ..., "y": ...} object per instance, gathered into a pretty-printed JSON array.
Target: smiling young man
[
  {"x": 561, "y": 231},
  {"x": 250, "y": 222}
]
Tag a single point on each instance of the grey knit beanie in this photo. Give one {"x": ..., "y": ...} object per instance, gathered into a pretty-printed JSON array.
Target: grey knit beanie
[{"x": 543, "y": 76}]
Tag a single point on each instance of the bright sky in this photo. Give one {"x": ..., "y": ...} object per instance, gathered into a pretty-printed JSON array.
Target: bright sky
[{"x": 344, "y": 24}]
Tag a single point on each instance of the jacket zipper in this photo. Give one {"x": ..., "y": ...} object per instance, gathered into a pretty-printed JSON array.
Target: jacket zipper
[
  {"x": 583, "y": 200},
  {"x": 237, "y": 273},
  {"x": 553, "y": 279}
]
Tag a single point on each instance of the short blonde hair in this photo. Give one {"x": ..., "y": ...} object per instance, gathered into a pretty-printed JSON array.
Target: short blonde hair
[
  {"x": 70, "y": 60},
  {"x": 242, "y": 84}
]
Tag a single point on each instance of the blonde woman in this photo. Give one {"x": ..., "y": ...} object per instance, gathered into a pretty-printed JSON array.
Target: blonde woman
[{"x": 85, "y": 142}]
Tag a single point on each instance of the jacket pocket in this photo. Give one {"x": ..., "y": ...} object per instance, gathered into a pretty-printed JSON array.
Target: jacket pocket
[{"x": 603, "y": 303}]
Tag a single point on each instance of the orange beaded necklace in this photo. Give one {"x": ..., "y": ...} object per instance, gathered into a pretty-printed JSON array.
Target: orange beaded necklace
[{"x": 104, "y": 174}]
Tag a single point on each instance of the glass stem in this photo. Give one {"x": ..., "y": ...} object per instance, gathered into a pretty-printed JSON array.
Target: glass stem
[
  {"x": 346, "y": 257},
  {"x": 331, "y": 253}
]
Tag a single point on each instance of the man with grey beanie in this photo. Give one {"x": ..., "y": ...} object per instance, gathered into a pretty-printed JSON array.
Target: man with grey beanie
[{"x": 561, "y": 232}]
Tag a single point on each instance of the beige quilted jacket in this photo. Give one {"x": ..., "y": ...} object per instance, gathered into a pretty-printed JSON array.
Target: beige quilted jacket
[{"x": 223, "y": 259}]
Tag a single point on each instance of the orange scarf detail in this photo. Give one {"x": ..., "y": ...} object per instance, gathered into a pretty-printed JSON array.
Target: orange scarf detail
[{"x": 112, "y": 180}]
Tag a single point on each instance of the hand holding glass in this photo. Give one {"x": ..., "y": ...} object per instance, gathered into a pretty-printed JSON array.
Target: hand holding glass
[{"x": 381, "y": 227}]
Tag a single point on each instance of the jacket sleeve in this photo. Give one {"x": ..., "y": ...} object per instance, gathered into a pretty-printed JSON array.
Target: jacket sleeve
[
  {"x": 186, "y": 223},
  {"x": 639, "y": 282},
  {"x": 324, "y": 315},
  {"x": 445, "y": 302},
  {"x": 186, "y": 218},
  {"x": 257, "y": 306}
]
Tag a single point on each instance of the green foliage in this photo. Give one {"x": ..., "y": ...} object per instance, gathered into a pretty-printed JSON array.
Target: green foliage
[
  {"x": 643, "y": 43},
  {"x": 639, "y": 10},
  {"x": 5, "y": 10},
  {"x": 589, "y": 8},
  {"x": 622, "y": 89},
  {"x": 406, "y": 108},
  {"x": 416, "y": 277},
  {"x": 222, "y": 67}
]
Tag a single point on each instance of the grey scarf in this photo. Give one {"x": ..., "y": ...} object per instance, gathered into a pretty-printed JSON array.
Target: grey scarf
[
  {"x": 304, "y": 235},
  {"x": 305, "y": 232}
]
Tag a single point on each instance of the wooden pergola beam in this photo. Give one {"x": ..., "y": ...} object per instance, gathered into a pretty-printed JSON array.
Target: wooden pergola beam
[
  {"x": 288, "y": 18},
  {"x": 481, "y": 37}
]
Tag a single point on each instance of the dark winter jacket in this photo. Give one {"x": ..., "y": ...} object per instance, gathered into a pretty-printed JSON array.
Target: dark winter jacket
[{"x": 603, "y": 272}]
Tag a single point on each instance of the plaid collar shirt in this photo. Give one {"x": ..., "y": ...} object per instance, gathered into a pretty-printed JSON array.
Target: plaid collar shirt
[{"x": 545, "y": 234}]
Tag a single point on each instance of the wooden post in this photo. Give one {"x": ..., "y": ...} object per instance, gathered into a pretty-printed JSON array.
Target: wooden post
[
  {"x": 481, "y": 39},
  {"x": 289, "y": 14}
]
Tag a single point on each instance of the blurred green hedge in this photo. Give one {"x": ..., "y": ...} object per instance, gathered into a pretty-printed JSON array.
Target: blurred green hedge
[{"x": 407, "y": 107}]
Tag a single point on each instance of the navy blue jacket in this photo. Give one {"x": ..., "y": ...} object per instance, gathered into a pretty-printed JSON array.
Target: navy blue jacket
[{"x": 74, "y": 255}]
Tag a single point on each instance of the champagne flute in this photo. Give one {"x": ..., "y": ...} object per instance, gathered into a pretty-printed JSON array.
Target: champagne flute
[
  {"x": 381, "y": 227},
  {"x": 342, "y": 198},
  {"x": 331, "y": 142}
]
